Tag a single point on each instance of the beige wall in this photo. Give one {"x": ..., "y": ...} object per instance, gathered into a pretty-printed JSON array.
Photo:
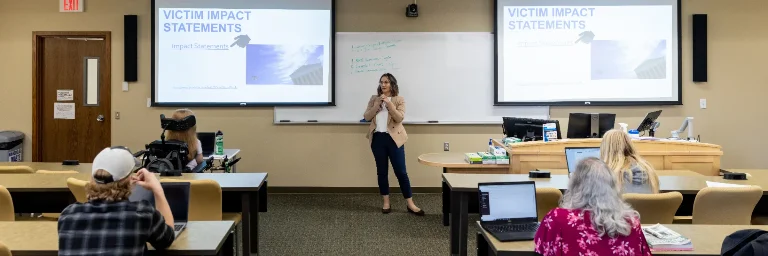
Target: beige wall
[{"x": 338, "y": 156}]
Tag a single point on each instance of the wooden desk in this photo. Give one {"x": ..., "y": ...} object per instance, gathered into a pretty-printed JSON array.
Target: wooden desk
[
  {"x": 462, "y": 187},
  {"x": 699, "y": 157},
  {"x": 40, "y": 238},
  {"x": 241, "y": 192},
  {"x": 706, "y": 239},
  {"x": 454, "y": 163}
]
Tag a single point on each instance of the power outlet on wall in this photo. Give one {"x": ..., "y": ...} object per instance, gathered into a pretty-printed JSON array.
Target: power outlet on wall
[{"x": 446, "y": 146}]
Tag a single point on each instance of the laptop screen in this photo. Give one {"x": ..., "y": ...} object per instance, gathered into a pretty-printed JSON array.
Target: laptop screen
[
  {"x": 574, "y": 155},
  {"x": 207, "y": 142},
  {"x": 176, "y": 193},
  {"x": 514, "y": 200}
]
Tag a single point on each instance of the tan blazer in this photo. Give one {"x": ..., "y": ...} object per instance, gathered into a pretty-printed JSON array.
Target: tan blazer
[{"x": 394, "y": 122}]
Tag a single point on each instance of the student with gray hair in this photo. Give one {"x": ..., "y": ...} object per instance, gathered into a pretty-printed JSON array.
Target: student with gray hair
[{"x": 592, "y": 218}]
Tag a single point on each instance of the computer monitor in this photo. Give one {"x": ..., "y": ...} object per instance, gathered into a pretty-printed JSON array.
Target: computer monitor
[
  {"x": 586, "y": 125},
  {"x": 507, "y": 201},
  {"x": 573, "y": 155},
  {"x": 527, "y": 129},
  {"x": 648, "y": 121}
]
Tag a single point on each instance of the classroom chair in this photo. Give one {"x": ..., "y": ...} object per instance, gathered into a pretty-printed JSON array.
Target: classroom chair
[
  {"x": 546, "y": 200},
  {"x": 20, "y": 169},
  {"x": 4, "y": 250},
  {"x": 6, "y": 205},
  {"x": 77, "y": 187},
  {"x": 723, "y": 206},
  {"x": 655, "y": 208}
]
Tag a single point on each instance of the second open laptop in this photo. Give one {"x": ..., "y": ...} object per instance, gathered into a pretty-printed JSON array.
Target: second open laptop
[
  {"x": 508, "y": 210},
  {"x": 177, "y": 195},
  {"x": 575, "y": 154}
]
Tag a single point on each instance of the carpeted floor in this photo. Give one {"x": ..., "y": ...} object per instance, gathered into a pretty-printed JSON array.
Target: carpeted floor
[{"x": 352, "y": 224}]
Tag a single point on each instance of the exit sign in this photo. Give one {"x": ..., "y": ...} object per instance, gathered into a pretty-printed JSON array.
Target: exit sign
[{"x": 71, "y": 5}]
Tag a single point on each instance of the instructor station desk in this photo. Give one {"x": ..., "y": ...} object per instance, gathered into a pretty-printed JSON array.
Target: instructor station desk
[{"x": 699, "y": 157}]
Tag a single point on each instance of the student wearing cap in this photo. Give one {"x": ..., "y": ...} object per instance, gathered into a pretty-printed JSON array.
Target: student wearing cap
[{"x": 109, "y": 224}]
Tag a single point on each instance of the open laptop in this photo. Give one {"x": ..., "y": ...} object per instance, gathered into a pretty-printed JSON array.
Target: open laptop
[
  {"x": 207, "y": 142},
  {"x": 177, "y": 194},
  {"x": 575, "y": 154},
  {"x": 508, "y": 210}
]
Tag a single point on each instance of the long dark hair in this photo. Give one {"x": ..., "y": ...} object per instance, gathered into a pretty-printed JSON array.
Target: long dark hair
[{"x": 393, "y": 89}]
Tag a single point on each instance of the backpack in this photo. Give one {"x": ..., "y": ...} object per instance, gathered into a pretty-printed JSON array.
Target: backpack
[{"x": 745, "y": 242}]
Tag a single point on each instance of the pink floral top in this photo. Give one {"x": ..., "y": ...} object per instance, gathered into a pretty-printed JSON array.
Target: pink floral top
[{"x": 570, "y": 232}]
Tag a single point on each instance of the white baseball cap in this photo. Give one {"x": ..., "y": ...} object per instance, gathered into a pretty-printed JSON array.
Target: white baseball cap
[{"x": 117, "y": 161}]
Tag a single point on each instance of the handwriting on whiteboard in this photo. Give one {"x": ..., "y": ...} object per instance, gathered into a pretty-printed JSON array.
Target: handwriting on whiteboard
[
  {"x": 365, "y": 64},
  {"x": 386, "y": 44}
]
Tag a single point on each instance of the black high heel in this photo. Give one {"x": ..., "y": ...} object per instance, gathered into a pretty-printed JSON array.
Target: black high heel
[
  {"x": 419, "y": 213},
  {"x": 386, "y": 211}
]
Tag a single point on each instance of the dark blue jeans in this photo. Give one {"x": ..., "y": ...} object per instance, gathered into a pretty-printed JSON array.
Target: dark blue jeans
[{"x": 384, "y": 151}]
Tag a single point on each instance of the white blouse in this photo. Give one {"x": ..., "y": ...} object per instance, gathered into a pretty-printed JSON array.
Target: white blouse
[{"x": 382, "y": 117}]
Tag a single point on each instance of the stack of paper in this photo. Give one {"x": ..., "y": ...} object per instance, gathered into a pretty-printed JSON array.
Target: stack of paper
[
  {"x": 724, "y": 185},
  {"x": 661, "y": 238}
]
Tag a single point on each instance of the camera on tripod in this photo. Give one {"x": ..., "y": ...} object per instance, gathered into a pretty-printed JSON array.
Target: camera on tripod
[{"x": 169, "y": 157}]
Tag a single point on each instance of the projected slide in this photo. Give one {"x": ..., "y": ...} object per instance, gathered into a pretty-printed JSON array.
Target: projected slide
[
  {"x": 589, "y": 53},
  {"x": 242, "y": 56}
]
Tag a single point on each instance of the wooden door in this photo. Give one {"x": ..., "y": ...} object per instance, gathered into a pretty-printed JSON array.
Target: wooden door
[{"x": 73, "y": 98}]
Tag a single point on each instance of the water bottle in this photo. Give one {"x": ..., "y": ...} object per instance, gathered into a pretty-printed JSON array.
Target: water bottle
[{"x": 219, "y": 143}]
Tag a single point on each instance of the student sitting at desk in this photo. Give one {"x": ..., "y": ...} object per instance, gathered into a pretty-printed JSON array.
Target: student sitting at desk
[
  {"x": 189, "y": 136},
  {"x": 635, "y": 175},
  {"x": 592, "y": 218},
  {"x": 109, "y": 224}
]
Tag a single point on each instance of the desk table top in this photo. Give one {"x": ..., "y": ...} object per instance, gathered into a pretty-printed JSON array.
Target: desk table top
[
  {"x": 41, "y": 237},
  {"x": 56, "y": 182},
  {"x": 685, "y": 184}
]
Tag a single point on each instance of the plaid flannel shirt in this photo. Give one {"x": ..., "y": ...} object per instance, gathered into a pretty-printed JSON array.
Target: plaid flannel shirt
[{"x": 112, "y": 228}]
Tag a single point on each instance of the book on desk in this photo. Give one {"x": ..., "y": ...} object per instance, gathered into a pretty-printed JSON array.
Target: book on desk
[{"x": 661, "y": 238}]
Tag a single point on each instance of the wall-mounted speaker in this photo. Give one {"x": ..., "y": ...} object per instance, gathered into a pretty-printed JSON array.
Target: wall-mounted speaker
[
  {"x": 131, "y": 55},
  {"x": 699, "y": 38}
]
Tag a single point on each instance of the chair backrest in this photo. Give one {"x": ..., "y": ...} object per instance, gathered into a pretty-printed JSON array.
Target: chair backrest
[
  {"x": 56, "y": 172},
  {"x": 77, "y": 187},
  {"x": 655, "y": 208},
  {"x": 6, "y": 205},
  {"x": 4, "y": 250},
  {"x": 204, "y": 199},
  {"x": 19, "y": 169},
  {"x": 546, "y": 200},
  {"x": 726, "y": 205}
]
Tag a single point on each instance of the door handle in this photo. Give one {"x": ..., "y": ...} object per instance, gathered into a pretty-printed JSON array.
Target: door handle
[{"x": 100, "y": 118}]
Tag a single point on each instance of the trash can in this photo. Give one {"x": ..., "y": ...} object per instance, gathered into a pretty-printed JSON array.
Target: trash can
[{"x": 11, "y": 143}]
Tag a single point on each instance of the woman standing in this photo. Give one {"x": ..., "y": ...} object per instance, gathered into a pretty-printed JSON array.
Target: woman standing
[{"x": 386, "y": 135}]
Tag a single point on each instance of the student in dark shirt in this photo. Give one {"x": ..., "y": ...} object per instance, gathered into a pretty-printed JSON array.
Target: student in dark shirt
[{"x": 109, "y": 224}]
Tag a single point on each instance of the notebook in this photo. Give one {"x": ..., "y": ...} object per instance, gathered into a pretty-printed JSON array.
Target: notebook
[
  {"x": 207, "y": 142},
  {"x": 661, "y": 238},
  {"x": 177, "y": 195},
  {"x": 508, "y": 210}
]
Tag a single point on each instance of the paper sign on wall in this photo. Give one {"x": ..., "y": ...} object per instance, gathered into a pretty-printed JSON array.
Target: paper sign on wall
[
  {"x": 65, "y": 95},
  {"x": 63, "y": 110}
]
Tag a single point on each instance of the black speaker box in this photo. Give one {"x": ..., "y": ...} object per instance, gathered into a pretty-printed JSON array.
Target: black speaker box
[
  {"x": 131, "y": 55},
  {"x": 699, "y": 39}
]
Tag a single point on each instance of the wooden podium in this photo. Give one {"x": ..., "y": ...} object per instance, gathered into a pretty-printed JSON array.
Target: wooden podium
[{"x": 699, "y": 157}]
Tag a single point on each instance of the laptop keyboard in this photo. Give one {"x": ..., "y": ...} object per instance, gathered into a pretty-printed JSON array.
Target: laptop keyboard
[
  {"x": 177, "y": 227},
  {"x": 529, "y": 227}
]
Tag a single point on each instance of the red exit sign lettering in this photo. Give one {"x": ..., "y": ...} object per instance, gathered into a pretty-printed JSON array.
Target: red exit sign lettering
[{"x": 71, "y": 5}]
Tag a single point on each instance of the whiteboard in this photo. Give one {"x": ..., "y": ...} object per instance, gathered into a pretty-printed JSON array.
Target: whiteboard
[{"x": 445, "y": 78}]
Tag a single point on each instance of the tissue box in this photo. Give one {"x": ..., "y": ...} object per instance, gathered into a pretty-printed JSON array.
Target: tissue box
[
  {"x": 501, "y": 158},
  {"x": 473, "y": 158},
  {"x": 499, "y": 151},
  {"x": 488, "y": 158}
]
